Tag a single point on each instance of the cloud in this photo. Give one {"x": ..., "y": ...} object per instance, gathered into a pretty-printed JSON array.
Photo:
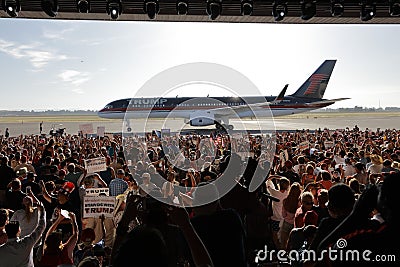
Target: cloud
[
  {"x": 36, "y": 56},
  {"x": 78, "y": 91},
  {"x": 57, "y": 35},
  {"x": 74, "y": 78},
  {"x": 64, "y": 35},
  {"x": 40, "y": 58}
]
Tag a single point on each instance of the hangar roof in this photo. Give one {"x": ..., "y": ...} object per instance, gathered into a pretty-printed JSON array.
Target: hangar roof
[{"x": 133, "y": 10}]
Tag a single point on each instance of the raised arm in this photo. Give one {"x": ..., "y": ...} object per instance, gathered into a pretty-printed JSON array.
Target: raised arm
[
  {"x": 129, "y": 214},
  {"x": 199, "y": 252},
  {"x": 53, "y": 227},
  {"x": 45, "y": 194},
  {"x": 73, "y": 239},
  {"x": 34, "y": 198},
  {"x": 32, "y": 238},
  {"x": 101, "y": 181}
]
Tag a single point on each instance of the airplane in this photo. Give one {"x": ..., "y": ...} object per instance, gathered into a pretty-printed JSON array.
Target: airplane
[{"x": 206, "y": 111}]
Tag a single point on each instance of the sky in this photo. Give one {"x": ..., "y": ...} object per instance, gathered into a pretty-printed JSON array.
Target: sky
[{"x": 83, "y": 65}]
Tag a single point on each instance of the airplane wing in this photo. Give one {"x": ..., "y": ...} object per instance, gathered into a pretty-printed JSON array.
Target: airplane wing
[{"x": 327, "y": 101}]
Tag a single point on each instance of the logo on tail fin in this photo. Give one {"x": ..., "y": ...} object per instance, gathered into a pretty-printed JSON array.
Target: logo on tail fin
[
  {"x": 315, "y": 85},
  {"x": 316, "y": 80}
]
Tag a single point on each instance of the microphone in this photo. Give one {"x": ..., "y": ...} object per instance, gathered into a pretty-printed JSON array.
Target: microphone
[{"x": 271, "y": 197}]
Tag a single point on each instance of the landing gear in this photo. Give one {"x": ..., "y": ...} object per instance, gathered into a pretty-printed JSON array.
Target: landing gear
[
  {"x": 218, "y": 126},
  {"x": 225, "y": 127},
  {"x": 128, "y": 126}
]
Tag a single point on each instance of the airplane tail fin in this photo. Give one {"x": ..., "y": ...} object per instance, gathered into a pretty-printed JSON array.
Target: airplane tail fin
[{"x": 315, "y": 85}]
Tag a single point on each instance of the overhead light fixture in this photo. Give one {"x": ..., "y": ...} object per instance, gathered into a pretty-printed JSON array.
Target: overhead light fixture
[
  {"x": 50, "y": 7},
  {"x": 279, "y": 10},
  {"x": 308, "y": 9},
  {"x": 214, "y": 9},
  {"x": 182, "y": 7},
  {"x": 114, "y": 8},
  {"x": 246, "y": 8},
  {"x": 368, "y": 11},
  {"x": 337, "y": 8},
  {"x": 83, "y": 6},
  {"x": 151, "y": 8},
  {"x": 394, "y": 9},
  {"x": 12, "y": 7}
]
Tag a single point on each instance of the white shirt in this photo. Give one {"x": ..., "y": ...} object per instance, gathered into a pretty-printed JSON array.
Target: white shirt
[
  {"x": 276, "y": 206},
  {"x": 18, "y": 252},
  {"x": 373, "y": 168},
  {"x": 349, "y": 170},
  {"x": 148, "y": 187},
  {"x": 338, "y": 160},
  {"x": 26, "y": 226}
]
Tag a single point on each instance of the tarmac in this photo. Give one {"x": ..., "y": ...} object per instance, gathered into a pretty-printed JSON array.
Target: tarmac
[{"x": 305, "y": 121}]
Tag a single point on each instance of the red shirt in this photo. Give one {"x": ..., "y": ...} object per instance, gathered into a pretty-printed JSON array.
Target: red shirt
[{"x": 54, "y": 259}]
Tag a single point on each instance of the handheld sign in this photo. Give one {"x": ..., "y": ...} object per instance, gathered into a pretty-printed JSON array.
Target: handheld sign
[
  {"x": 86, "y": 128},
  {"x": 96, "y": 164},
  {"x": 94, "y": 207},
  {"x": 328, "y": 144},
  {"x": 304, "y": 145},
  {"x": 94, "y": 192}
]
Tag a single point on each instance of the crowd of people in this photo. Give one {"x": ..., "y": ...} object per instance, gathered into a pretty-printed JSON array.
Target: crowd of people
[{"x": 318, "y": 187}]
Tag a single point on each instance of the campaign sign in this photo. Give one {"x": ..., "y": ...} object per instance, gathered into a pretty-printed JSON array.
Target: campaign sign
[
  {"x": 97, "y": 192},
  {"x": 86, "y": 128},
  {"x": 96, "y": 206},
  {"x": 328, "y": 144},
  {"x": 100, "y": 131},
  {"x": 96, "y": 164},
  {"x": 304, "y": 145}
]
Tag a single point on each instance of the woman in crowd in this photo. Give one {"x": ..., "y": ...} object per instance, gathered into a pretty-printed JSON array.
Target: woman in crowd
[
  {"x": 309, "y": 176},
  {"x": 289, "y": 207},
  {"x": 55, "y": 252}
]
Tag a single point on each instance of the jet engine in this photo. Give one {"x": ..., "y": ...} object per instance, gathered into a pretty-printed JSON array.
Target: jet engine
[{"x": 202, "y": 118}]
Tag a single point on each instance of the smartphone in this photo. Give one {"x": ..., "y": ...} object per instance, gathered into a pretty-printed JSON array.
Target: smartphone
[{"x": 65, "y": 214}]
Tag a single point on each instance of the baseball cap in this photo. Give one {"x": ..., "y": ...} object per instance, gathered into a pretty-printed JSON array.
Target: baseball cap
[{"x": 67, "y": 188}]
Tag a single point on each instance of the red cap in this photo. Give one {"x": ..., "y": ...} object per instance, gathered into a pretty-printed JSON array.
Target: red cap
[{"x": 67, "y": 188}]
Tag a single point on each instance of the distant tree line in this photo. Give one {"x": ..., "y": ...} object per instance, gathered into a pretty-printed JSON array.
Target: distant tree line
[
  {"x": 358, "y": 109},
  {"x": 46, "y": 112}
]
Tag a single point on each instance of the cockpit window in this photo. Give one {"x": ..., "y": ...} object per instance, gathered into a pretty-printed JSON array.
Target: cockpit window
[{"x": 108, "y": 107}]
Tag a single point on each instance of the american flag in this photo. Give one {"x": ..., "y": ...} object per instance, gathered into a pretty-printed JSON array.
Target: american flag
[{"x": 315, "y": 80}]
